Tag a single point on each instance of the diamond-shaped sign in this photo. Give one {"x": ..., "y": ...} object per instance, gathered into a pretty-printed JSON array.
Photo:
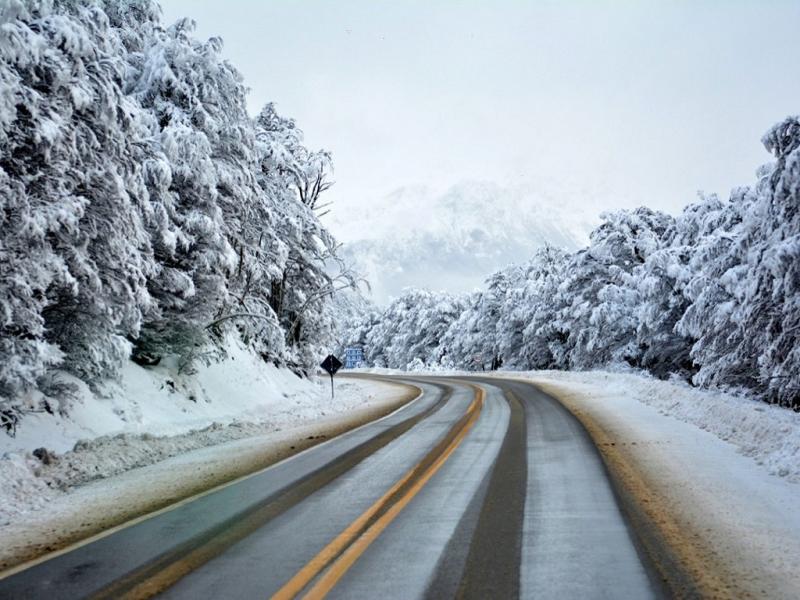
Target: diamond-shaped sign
[{"x": 331, "y": 364}]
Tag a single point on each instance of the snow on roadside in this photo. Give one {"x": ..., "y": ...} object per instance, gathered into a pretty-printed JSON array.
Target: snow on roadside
[
  {"x": 161, "y": 401},
  {"x": 694, "y": 453},
  {"x": 153, "y": 414},
  {"x": 769, "y": 434}
]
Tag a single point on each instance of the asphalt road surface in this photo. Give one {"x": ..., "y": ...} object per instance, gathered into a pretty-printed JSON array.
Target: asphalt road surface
[{"x": 479, "y": 488}]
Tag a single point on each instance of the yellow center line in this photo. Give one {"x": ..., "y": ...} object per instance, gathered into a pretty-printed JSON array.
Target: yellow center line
[{"x": 351, "y": 543}]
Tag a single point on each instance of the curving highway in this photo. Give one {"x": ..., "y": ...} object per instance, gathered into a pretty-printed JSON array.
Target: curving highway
[{"x": 479, "y": 488}]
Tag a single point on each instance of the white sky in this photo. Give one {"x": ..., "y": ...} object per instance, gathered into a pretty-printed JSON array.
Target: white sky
[{"x": 618, "y": 103}]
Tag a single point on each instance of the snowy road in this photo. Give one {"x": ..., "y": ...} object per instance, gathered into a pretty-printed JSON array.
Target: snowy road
[{"x": 477, "y": 489}]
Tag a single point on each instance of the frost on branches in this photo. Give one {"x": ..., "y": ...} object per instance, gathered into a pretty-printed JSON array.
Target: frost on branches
[
  {"x": 143, "y": 211},
  {"x": 712, "y": 296}
]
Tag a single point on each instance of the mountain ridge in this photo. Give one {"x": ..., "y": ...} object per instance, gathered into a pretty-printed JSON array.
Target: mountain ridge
[{"x": 453, "y": 240}]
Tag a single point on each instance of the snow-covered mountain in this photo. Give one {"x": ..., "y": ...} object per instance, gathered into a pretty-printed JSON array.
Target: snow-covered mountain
[{"x": 454, "y": 240}]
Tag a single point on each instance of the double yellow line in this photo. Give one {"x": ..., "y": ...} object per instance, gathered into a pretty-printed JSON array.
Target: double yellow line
[{"x": 333, "y": 561}]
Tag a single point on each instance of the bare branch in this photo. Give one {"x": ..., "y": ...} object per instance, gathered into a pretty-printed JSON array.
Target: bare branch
[{"x": 237, "y": 316}]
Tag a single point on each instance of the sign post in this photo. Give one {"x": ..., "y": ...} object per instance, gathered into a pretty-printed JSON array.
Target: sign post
[{"x": 331, "y": 364}]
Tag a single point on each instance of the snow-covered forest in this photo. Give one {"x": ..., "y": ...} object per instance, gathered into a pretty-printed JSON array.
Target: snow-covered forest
[
  {"x": 711, "y": 296},
  {"x": 144, "y": 212}
]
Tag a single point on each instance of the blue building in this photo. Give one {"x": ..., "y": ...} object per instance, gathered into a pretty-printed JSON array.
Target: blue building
[{"x": 353, "y": 357}]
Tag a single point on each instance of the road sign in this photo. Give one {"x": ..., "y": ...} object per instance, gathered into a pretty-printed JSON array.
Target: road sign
[
  {"x": 331, "y": 364},
  {"x": 353, "y": 357}
]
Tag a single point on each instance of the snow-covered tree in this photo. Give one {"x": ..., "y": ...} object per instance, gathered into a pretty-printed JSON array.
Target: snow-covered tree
[
  {"x": 468, "y": 343},
  {"x": 142, "y": 208},
  {"x": 598, "y": 299},
  {"x": 535, "y": 310},
  {"x": 75, "y": 248},
  {"x": 712, "y": 288},
  {"x": 662, "y": 285},
  {"x": 197, "y": 179},
  {"x": 411, "y": 329},
  {"x": 771, "y": 241},
  {"x": 356, "y": 316},
  {"x": 745, "y": 289},
  {"x": 308, "y": 271}
]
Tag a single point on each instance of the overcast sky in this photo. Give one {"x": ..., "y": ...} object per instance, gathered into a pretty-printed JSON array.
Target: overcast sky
[{"x": 618, "y": 103}]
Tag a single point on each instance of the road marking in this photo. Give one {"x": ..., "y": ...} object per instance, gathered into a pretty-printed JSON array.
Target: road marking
[
  {"x": 156, "y": 576},
  {"x": 343, "y": 551}
]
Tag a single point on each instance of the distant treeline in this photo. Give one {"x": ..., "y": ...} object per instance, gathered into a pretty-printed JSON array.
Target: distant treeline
[{"x": 712, "y": 296}]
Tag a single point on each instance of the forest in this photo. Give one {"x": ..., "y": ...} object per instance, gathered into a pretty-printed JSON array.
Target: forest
[
  {"x": 711, "y": 296},
  {"x": 144, "y": 212}
]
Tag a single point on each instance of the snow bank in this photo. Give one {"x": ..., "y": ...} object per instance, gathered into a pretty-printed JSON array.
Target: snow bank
[
  {"x": 161, "y": 401},
  {"x": 156, "y": 413},
  {"x": 767, "y": 433}
]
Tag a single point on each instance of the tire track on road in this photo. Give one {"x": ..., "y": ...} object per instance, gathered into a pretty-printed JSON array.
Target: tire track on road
[
  {"x": 492, "y": 525},
  {"x": 170, "y": 567}
]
